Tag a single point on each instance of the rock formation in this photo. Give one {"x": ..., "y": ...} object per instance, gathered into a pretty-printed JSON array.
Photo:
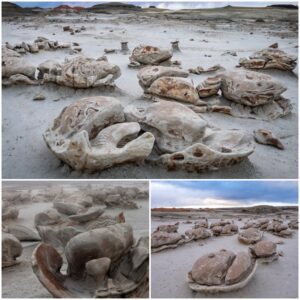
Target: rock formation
[
  {"x": 97, "y": 259},
  {"x": 221, "y": 271},
  {"x": 89, "y": 135}
]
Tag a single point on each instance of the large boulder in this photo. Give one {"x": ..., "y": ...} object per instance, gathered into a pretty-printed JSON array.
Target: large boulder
[
  {"x": 149, "y": 55},
  {"x": 250, "y": 88},
  {"x": 250, "y": 236},
  {"x": 89, "y": 135},
  {"x": 81, "y": 72},
  {"x": 221, "y": 271}
]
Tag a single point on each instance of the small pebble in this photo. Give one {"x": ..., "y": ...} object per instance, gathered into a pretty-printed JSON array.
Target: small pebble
[{"x": 39, "y": 97}]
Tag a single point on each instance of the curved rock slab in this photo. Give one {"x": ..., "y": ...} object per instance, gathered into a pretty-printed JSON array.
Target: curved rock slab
[
  {"x": 91, "y": 214},
  {"x": 250, "y": 236},
  {"x": 67, "y": 208},
  {"x": 96, "y": 261},
  {"x": 13, "y": 64},
  {"x": 149, "y": 55},
  {"x": 161, "y": 240},
  {"x": 149, "y": 74},
  {"x": 86, "y": 137},
  {"x": 174, "y": 88},
  {"x": 11, "y": 250},
  {"x": 174, "y": 125},
  {"x": 250, "y": 88},
  {"x": 217, "y": 149},
  {"x": 82, "y": 72},
  {"x": 269, "y": 58},
  {"x": 23, "y": 233},
  {"x": 221, "y": 271},
  {"x": 49, "y": 217}
]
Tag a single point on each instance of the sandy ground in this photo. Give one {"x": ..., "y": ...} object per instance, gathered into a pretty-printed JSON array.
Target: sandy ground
[
  {"x": 25, "y": 154},
  {"x": 169, "y": 268},
  {"x": 19, "y": 281}
]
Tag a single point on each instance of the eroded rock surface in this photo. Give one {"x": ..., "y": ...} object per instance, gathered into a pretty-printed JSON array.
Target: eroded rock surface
[
  {"x": 89, "y": 135},
  {"x": 80, "y": 72},
  {"x": 269, "y": 58},
  {"x": 11, "y": 250},
  {"x": 221, "y": 271},
  {"x": 149, "y": 55},
  {"x": 96, "y": 259},
  {"x": 250, "y": 236}
]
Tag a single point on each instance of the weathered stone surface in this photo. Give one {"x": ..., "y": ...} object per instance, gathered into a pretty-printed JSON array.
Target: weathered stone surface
[
  {"x": 23, "y": 233},
  {"x": 211, "y": 269},
  {"x": 91, "y": 214},
  {"x": 86, "y": 137},
  {"x": 10, "y": 213},
  {"x": 168, "y": 228},
  {"x": 270, "y": 58},
  {"x": 250, "y": 88},
  {"x": 89, "y": 257},
  {"x": 174, "y": 88},
  {"x": 49, "y": 217},
  {"x": 174, "y": 125},
  {"x": 67, "y": 208},
  {"x": 161, "y": 238},
  {"x": 13, "y": 64},
  {"x": 209, "y": 87},
  {"x": 11, "y": 249},
  {"x": 217, "y": 149},
  {"x": 240, "y": 268},
  {"x": 149, "y": 74},
  {"x": 266, "y": 137},
  {"x": 263, "y": 249},
  {"x": 198, "y": 233},
  {"x": 149, "y": 55},
  {"x": 250, "y": 236},
  {"x": 82, "y": 72}
]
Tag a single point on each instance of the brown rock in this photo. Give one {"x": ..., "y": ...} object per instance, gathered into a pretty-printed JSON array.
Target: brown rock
[
  {"x": 239, "y": 269},
  {"x": 211, "y": 269}
]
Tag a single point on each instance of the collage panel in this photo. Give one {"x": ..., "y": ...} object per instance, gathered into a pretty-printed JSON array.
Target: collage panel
[
  {"x": 224, "y": 239},
  {"x": 75, "y": 239},
  {"x": 136, "y": 90}
]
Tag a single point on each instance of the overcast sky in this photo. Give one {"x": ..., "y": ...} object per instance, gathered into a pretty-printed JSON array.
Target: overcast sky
[
  {"x": 169, "y": 5},
  {"x": 223, "y": 193}
]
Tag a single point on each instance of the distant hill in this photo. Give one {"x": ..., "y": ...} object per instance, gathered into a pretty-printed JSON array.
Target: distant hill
[
  {"x": 261, "y": 209},
  {"x": 67, "y": 8},
  {"x": 10, "y": 9},
  {"x": 286, "y": 6},
  {"x": 113, "y": 6}
]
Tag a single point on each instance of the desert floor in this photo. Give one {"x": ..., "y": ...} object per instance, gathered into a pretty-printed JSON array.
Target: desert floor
[
  {"x": 169, "y": 268},
  {"x": 25, "y": 154}
]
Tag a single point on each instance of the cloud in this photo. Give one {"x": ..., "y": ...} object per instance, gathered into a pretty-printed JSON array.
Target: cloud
[{"x": 222, "y": 193}]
